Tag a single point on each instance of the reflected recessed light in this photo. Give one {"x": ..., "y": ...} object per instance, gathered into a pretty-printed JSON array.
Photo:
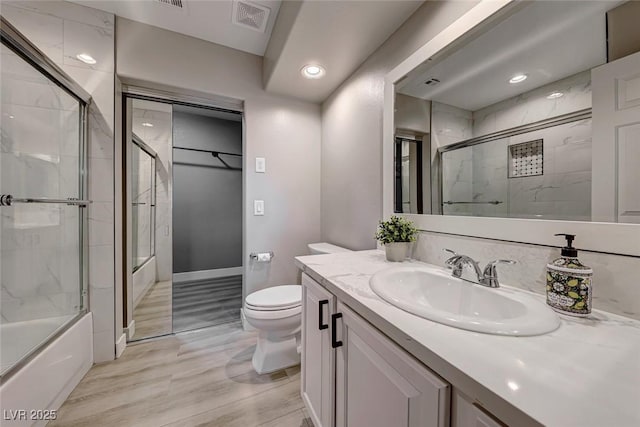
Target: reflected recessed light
[
  {"x": 86, "y": 58},
  {"x": 147, "y": 125},
  {"x": 518, "y": 78},
  {"x": 312, "y": 71},
  {"x": 513, "y": 385},
  {"x": 555, "y": 95}
]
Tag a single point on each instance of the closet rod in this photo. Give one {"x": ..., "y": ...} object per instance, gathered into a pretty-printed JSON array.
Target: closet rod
[{"x": 212, "y": 152}]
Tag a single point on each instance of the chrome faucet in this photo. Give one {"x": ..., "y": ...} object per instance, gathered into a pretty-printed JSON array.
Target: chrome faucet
[{"x": 488, "y": 277}]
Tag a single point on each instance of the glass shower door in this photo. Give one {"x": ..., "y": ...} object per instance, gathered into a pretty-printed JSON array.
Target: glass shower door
[{"x": 42, "y": 202}]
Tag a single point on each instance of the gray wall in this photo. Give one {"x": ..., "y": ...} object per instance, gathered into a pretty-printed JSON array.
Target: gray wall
[
  {"x": 352, "y": 131},
  {"x": 273, "y": 125},
  {"x": 207, "y": 196}
]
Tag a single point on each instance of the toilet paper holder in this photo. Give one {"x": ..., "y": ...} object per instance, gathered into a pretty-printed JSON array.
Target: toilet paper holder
[{"x": 261, "y": 256}]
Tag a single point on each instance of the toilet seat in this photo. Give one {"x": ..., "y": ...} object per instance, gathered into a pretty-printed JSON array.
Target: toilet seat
[
  {"x": 272, "y": 314},
  {"x": 276, "y": 298}
]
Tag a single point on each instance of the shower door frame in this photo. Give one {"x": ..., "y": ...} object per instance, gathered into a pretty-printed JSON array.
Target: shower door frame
[
  {"x": 21, "y": 46},
  {"x": 135, "y": 139}
]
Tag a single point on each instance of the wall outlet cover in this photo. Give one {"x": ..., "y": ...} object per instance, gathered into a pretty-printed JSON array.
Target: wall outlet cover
[{"x": 261, "y": 165}]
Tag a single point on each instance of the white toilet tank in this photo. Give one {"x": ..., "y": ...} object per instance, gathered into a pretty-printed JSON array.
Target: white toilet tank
[{"x": 325, "y": 248}]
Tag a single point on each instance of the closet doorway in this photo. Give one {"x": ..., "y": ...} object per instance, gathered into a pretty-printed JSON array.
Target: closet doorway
[{"x": 183, "y": 208}]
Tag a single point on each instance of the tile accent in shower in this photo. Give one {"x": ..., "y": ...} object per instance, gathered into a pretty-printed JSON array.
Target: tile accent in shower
[{"x": 526, "y": 159}]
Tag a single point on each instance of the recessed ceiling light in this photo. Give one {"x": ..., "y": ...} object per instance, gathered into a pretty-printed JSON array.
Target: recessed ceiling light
[
  {"x": 86, "y": 58},
  {"x": 147, "y": 125},
  {"x": 555, "y": 95},
  {"x": 518, "y": 78},
  {"x": 312, "y": 71}
]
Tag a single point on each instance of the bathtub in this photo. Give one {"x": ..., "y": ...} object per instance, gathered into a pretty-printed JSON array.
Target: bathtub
[{"x": 41, "y": 386}]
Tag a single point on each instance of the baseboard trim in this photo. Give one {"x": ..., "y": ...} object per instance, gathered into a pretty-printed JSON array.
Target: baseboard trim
[
  {"x": 121, "y": 344},
  {"x": 207, "y": 274},
  {"x": 130, "y": 330}
]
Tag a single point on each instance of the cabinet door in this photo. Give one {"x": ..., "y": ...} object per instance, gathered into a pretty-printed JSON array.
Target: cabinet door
[
  {"x": 466, "y": 414},
  {"x": 318, "y": 358},
  {"x": 379, "y": 385}
]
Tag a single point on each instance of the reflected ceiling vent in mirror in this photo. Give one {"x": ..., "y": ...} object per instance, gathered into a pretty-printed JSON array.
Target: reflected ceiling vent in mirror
[
  {"x": 250, "y": 15},
  {"x": 173, "y": 3},
  {"x": 432, "y": 82},
  {"x": 526, "y": 159}
]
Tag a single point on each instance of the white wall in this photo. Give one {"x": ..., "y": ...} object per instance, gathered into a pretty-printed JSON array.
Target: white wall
[
  {"x": 62, "y": 30},
  {"x": 284, "y": 131},
  {"x": 352, "y": 131}
]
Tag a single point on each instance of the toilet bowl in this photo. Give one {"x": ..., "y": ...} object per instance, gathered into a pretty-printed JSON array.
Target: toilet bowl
[{"x": 276, "y": 313}]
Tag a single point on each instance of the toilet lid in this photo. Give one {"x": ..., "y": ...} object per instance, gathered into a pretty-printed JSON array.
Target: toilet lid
[{"x": 275, "y": 298}]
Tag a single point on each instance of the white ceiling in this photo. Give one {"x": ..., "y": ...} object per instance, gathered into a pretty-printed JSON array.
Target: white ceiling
[
  {"x": 545, "y": 40},
  {"x": 339, "y": 35},
  {"x": 204, "y": 19}
]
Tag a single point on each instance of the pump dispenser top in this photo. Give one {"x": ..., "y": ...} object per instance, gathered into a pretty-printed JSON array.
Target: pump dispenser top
[{"x": 569, "y": 250}]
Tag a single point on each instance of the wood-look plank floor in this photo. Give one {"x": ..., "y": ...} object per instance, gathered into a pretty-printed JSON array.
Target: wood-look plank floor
[
  {"x": 153, "y": 313},
  {"x": 198, "y": 378},
  {"x": 204, "y": 303}
]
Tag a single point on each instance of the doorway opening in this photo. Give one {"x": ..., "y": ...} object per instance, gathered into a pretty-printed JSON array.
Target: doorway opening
[{"x": 183, "y": 207}]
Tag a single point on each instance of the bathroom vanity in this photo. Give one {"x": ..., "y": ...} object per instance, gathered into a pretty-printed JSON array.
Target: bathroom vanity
[{"x": 368, "y": 363}]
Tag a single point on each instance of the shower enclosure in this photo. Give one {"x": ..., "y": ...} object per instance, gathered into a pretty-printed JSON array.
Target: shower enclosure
[{"x": 43, "y": 201}]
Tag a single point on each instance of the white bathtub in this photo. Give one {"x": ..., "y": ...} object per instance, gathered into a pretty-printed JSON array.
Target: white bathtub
[{"x": 46, "y": 380}]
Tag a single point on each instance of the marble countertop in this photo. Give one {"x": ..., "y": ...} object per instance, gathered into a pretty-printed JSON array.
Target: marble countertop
[{"x": 586, "y": 373}]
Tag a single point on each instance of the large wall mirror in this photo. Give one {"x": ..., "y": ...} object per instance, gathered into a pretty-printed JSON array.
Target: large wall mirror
[{"x": 532, "y": 112}]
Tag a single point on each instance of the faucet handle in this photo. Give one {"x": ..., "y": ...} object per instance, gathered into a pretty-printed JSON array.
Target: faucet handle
[
  {"x": 450, "y": 261},
  {"x": 490, "y": 270}
]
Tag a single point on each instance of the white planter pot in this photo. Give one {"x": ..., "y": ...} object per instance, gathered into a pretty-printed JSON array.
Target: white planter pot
[{"x": 397, "y": 251}]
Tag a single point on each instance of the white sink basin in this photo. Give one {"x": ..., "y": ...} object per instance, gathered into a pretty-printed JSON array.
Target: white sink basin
[{"x": 436, "y": 295}]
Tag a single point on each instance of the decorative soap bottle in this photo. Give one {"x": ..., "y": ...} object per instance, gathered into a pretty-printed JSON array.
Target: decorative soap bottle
[{"x": 569, "y": 282}]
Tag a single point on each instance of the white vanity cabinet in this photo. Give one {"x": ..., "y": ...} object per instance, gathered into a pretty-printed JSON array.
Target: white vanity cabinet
[
  {"x": 376, "y": 383},
  {"x": 379, "y": 385},
  {"x": 318, "y": 358}
]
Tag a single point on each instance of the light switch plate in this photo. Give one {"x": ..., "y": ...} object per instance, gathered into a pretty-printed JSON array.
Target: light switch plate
[
  {"x": 258, "y": 207},
  {"x": 261, "y": 165}
]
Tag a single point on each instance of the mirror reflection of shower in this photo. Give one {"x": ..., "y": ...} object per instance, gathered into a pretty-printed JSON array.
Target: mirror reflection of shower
[{"x": 149, "y": 186}]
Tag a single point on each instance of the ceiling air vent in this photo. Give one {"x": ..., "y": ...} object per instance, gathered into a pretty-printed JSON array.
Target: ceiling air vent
[
  {"x": 250, "y": 15},
  {"x": 174, "y": 3},
  {"x": 432, "y": 82}
]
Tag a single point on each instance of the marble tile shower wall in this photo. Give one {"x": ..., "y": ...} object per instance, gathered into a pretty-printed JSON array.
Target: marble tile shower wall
[
  {"x": 615, "y": 284},
  {"x": 39, "y": 158},
  {"x": 480, "y": 173},
  {"x": 62, "y": 30},
  {"x": 534, "y": 106},
  {"x": 159, "y": 137},
  {"x": 450, "y": 125}
]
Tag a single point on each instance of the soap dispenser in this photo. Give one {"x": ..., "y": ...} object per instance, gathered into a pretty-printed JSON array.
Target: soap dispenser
[{"x": 569, "y": 282}]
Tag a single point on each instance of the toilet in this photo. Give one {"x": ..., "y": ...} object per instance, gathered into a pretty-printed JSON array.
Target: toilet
[{"x": 276, "y": 313}]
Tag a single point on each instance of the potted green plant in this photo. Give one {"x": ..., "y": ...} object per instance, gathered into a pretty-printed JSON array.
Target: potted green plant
[{"x": 396, "y": 234}]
